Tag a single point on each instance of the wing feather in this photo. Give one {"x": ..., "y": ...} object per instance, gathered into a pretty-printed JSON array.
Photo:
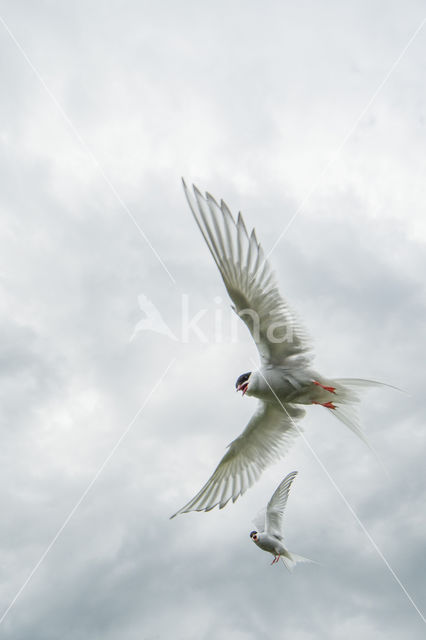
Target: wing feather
[
  {"x": 276, "y": 506},
  {"x": 267, "y": 436},
  {"x": 259, "y": 520},
  {"x": 249, "y": 280}
]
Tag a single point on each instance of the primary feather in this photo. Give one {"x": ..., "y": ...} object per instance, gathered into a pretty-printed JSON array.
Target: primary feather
[
  {"x": 249, "y": 280},
  {"x": 267, "y": 436}
]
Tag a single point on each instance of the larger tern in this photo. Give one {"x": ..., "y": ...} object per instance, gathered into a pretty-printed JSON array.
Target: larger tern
[{"x": 284, "y": 380}]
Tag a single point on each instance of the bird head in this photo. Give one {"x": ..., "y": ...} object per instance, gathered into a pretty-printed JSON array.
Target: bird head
[
  {"x": 254, "y": 536},
  {"x": 243, "y": 382}
]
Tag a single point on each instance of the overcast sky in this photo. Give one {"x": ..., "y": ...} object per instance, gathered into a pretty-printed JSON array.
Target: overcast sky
[{"x": 278, "y": 108}]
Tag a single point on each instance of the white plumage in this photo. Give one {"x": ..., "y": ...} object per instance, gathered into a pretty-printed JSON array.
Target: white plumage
[
  {"x": 268, "y": 535},
  {"x": 285, "y": 380}
]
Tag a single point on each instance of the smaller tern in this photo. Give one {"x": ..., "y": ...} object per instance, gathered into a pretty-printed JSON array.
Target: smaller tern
[{"x": 269, "y": 526}]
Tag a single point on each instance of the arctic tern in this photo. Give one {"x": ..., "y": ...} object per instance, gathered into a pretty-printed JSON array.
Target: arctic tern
[
  {"x": 269, "y": 526},
  {"x": 284, "y": 380}
]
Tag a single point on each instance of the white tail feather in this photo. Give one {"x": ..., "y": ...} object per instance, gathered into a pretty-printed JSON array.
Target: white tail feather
[
  {"x": 345, "y": 410},
  {"x": 360, "y": 382},
  {"x": 293, "y": 559}
]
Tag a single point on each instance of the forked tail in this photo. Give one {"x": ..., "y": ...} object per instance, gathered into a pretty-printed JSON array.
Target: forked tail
[
  {"x": 292, "y": 559},
  {"x": 345, "y": 401}
]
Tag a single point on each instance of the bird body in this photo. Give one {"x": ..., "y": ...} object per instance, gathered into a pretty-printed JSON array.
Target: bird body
[
  {"x": 285, "y": 381},
  {"x": 288, "y": 384},
  {"x": 272, "y": 544},
  {"x": 297, "y": 384}
]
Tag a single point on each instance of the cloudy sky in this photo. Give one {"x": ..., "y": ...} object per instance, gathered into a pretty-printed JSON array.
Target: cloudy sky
[{"x": 107, "y": 429}]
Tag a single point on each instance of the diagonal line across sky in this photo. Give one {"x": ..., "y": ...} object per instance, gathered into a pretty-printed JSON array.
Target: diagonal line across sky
[
  {"x": 85, "y": 147},
  {"x": 348, "y": 135},
  {"x": 347, "y": 503},
  {"x": 85, "y": 492}
]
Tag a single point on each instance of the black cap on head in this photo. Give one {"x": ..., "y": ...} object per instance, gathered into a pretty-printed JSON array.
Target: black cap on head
[
  {"x": 242, "y": 378},
  {"x": 252, "y": 533}
]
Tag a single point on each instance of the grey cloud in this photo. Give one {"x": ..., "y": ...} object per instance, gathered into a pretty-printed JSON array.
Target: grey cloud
[{"x": 250, "y": 104}]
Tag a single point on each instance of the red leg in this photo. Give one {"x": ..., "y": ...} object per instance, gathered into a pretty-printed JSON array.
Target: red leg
[
  {"x": 328, "y": 405},
  {"x": 330, "y": 389}
]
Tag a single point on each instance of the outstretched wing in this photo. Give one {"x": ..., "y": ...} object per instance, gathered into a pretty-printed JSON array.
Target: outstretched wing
[
  {"x": 276, "y": 506},
  {"x": 259, "y": 520},
  {"x": 268, "y": 435},
  {"x": 248, "y": 279}
]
